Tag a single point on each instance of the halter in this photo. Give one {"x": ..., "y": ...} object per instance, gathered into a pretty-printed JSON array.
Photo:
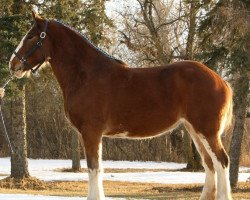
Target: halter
[{"x": 38, "y": 45}]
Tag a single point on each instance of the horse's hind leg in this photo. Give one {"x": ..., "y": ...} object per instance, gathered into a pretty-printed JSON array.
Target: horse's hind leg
[
  {"x": 93, "y": 154},
  {"x": 221, "y": 164},
  {"x": 209, "y": 189}
]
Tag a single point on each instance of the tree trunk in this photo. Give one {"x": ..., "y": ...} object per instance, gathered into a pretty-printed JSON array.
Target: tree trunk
[
  {"x": 76, "y": 153},
  {"x": 192, "y": 155},
  {"x": 241, "y": 89},
  {"x": 191, "y": 30},
  {"x": 19, "y": 164},
  {"x": 177, "y": 147}
]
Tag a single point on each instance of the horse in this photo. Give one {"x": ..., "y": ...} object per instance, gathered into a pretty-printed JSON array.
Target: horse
[{"x": 103, "y": 97}]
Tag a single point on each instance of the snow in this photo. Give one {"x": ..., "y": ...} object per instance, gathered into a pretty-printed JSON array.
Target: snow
[
  {"x": 46, "y": 170},
  {"x": 244, "y": 169}
]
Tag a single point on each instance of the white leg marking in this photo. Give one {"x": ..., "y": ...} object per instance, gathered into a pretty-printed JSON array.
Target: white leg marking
[
  {"x": 223, "y": 184},
  {"x": 95, "y": 185},
  {"x": 224, "y": 189},
  {"x": 209, "y": 188}
]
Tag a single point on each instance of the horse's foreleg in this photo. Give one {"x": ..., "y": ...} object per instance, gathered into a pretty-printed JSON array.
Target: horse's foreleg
[{"x": 93, "y": 154}]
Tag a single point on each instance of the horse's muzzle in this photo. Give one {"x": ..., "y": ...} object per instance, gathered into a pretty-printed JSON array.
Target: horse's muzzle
[{"x": 17, "y": 69}]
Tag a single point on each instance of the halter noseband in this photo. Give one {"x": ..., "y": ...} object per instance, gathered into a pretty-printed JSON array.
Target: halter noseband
[{"x": 39, "y": 44}]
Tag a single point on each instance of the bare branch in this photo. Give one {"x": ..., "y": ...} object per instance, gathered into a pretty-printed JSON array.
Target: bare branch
[{"x": 169, "y": 23}]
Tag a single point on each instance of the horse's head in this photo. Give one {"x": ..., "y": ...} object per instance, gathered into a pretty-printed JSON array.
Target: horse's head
[{"x": 30, "y": 54}]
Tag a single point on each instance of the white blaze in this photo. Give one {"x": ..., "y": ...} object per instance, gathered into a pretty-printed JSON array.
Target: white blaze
[{"x": 17, "y": 49}]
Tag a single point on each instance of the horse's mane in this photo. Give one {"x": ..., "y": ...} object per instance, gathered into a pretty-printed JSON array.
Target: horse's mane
[{"x": 90, "y": 42}]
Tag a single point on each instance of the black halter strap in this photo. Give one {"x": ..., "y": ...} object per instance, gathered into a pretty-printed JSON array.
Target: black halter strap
[{"x": 38, "y": 45}]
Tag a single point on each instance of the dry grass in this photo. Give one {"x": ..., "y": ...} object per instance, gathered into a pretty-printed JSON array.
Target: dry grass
[
  {"x": 24, "y": 184},
  {"x": 245, "y": 161},
  {"x": 115, "y": 189}
]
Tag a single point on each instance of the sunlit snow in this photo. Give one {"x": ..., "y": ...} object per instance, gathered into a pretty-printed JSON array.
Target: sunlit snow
[{"x": 47, "y": 170}]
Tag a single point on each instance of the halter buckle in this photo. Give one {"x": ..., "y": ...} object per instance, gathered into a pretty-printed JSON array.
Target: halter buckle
[
  {"x": 42, "y": 35},
  {"x": 23, "y": 60},
  {"x": 39, "y": 43}
]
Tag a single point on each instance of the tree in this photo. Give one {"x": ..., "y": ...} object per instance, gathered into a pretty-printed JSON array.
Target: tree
[
  {"x": 240, "y": 106},
  {"x": 12, "y": 22},
  {"x": 225, "y": 38},
  {"x": 76, "y": 153},
  {"x": 96, "y": 22},
  {"x": 241, "y": 95},
  {"x": 147, "y": 33},
  {"x": 192, "y": 10},
  {"x": 19, "y": 164}
]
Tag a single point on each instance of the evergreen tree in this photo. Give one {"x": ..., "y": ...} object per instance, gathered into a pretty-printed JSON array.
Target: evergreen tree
[
  {"x": 13, "y": 24},
  {"x": 225, "y": 41},
  {"x": 96, "y": 22}
]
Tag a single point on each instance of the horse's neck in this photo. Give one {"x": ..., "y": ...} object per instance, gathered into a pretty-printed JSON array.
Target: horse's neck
[{"x": 72, "y": 59}]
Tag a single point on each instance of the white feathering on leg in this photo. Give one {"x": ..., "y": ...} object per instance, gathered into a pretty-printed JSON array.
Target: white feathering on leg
[{"x": 95, "y": 185}]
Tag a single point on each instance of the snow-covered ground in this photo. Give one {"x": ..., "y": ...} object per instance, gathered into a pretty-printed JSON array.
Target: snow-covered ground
[{"x": 46, "y": 170}]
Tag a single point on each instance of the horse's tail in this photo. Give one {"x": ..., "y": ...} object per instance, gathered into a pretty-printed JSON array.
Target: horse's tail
[{"x": 229, "y": 107}]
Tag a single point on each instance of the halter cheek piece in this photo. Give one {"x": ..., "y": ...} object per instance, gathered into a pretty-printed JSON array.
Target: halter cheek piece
[{"x": 38, "y": 45}]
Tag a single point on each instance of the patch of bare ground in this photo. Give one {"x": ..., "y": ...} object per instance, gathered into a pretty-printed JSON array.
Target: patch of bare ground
[
  {"x": 121, "y": 189},
  {"x": 26, "y": 183},
  {"x": 4, "y": 174}
]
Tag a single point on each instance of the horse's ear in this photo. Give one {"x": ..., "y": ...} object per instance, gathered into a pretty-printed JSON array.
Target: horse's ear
[
  {"x": 33, "y": 14},
  {"x": 37, "y": 18}
]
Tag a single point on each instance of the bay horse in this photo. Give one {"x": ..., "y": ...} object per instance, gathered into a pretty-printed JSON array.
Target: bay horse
[{"x": 103, "y": 97}]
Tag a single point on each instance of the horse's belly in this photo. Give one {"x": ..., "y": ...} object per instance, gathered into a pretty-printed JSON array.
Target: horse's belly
[{"x": 143, "y": 130}]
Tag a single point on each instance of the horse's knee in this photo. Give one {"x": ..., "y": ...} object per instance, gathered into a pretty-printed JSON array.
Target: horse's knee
[
  {"x": 93, "y": 153},
  {"x": 92, "y": 162}
]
